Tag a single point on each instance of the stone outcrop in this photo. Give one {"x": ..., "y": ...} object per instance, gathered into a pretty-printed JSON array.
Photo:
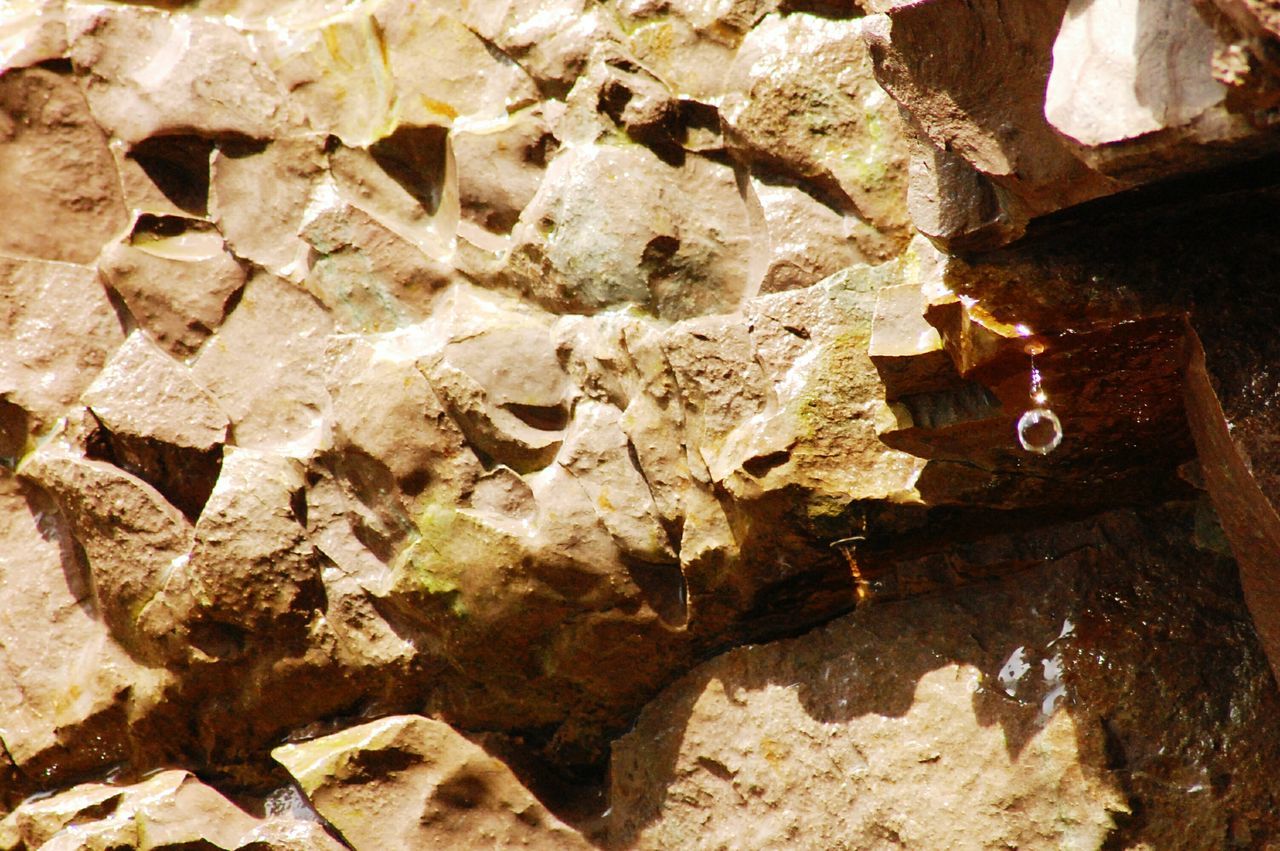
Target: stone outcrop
[{"x": 407, "y": 407}]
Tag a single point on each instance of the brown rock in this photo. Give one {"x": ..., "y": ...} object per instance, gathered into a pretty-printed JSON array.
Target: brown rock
[
  {"x": 57, "y": 329},
  {"x": 67, "y": 682},
  {"x": 160, "y": 425},
  {"x": 500, "y": 167},
  {"x": 56, "y": 167},
  {"x": 971, "y": 76},
  {"x": 369, "y": 277},
  {"x": 363, "y": 72},
  {"x": 133, "y": 537},
  {"x": 1029, "y": 713},
  {"x": 807, "y": 240},
  {"x": 821, "y": 118},
  {"x": 278, "y": 335},
  {"x": 410, "y": 782},
  {"x": 551, "y": 39},
  {"x": 177, "y": 281},
  {"x": 672, "y": 240},
  {"x": 31, "y": 33},
  {"x": 258, "y": 197},
  {"x": 498, "y": 376},
  {"x": 596, "y": 451},
  {"x": 148, "y": 73},
  {"x": 170, "y": 810},
  {"x": 251, "y": 567},
  {"x": 406, "y": 181},
  {"x": 1135, "y": 87}
]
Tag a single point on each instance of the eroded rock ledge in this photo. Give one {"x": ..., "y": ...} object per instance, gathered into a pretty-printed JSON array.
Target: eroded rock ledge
[{"x": 406, "y": 408}]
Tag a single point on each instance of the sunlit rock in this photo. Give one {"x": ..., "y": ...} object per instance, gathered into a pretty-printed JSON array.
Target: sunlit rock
[{"x": 411, "y": 782}]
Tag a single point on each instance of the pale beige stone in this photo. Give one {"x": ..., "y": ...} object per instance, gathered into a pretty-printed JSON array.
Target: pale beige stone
[
  {"x": 802, "y": 99},
  {"x": 1121, "y": 70},
  {"x": 596, "y": 452},
  {"x": 551, "y": 39},
  {"x": 251, "y": 566},
  {"x": 615, "y": 225},
  {"x": 150, "y": 73},
  {"x": 57, "y": 329},
  {"x": 411, "y": 782},
  {"x": 56, "y": 167},
  {"x": 171, "y": 809},
  {"x": 160, "y": 424},
  {"x": 364, "y": 72},
  {"x": 177, "y": 286},
  {"x": 64, "y": 675},
  {"x": 132, "y": 536},
  {"x": 31, "y": 31},
  {"x": 807, "y": 240},
  {"x": 277, "y": 335},
  {"x": 258, "y": 198}
]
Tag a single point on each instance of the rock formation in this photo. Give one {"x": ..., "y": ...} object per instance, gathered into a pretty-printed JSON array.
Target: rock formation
[{"x": 639, "y": 424}]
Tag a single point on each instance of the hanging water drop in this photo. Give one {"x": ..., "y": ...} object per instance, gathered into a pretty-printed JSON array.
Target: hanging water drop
[{"x": 1039, "y": 429}]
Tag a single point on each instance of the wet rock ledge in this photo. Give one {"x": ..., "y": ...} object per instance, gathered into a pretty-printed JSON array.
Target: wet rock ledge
[{"x": 639, "y": 424}]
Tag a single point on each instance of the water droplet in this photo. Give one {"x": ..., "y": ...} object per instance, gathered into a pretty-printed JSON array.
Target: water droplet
[{"x": 1040, "y": 431}]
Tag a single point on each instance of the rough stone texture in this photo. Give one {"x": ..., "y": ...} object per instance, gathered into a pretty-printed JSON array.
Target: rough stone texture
[
  {"x": 496, "y": 363},
  {"x": 410, "y": 782},
  {"x": 800, "y": 92},
  {"x": 159, "y": 424},
  {"x": 55, "y": 165},
  {"x": 277, "y": 334},
  {"x": 61, "y": 713},
  {"x": 56, "y": 331},
  {"x": 168, "y": 811},
  {"x": 1037, "y": 714},
  {"x": 671, "y": 240},
  {"x": 177, "y": 283}
]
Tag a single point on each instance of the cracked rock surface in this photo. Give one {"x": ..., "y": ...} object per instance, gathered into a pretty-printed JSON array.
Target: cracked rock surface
[{"x": 595, "y": 423}]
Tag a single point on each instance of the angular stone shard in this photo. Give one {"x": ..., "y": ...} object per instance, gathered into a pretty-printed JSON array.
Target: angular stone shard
[
  {"x": 149, "y": 73},
  {"x": 674, "y": 241},
  {"x": 598, "y": 454},
  {"x": 411, "y": 782},
  {"x": 160, "y": 425},
  {"x": 251, "y": 566},
  {"x": 500, "y": 166},
  {"x": 57, "y": 329},
  {"x": 807, "y": 240},
  {"x": 971, "y": 76},
  {"x": 277, "y": 334},
  {"x": 498, "y": 376},
  {"x": 802, "y": 100},
  {"x": 132, "y": 536},
  {"x": 369, "y": 277},
  {"x": 66, "y": 682},
  {"x": 176, "y": 279},
  {"x": 56, "y": 167},
  {"x": 550, "y": 39},
  {"x": 258, "y": 197},
  {"x": 170, "y": 810},
  {"x": 363, "y": 72},
  {"x": 1138, "y": 88}
]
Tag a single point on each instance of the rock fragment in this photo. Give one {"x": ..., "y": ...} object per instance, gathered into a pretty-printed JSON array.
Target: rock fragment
[
  {"x": 411, "y": 782},
  {"x": 160, "y": 425},
  {"x": 56, "y": 167}
]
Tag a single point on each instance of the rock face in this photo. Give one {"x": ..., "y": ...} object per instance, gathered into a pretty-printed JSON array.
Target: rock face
[{"x": 400, "y": 400}]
